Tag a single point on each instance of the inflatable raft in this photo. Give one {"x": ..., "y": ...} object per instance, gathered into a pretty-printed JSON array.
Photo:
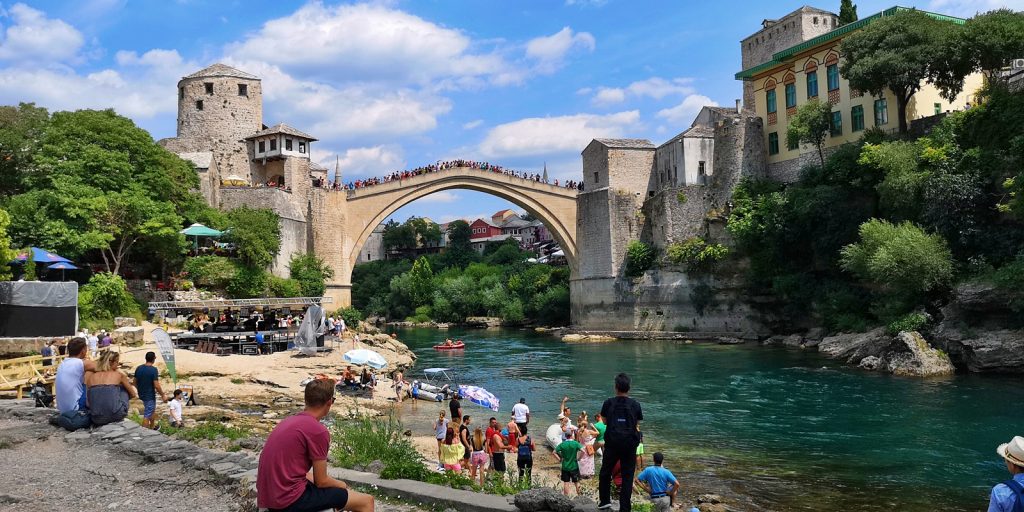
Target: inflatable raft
[
  {"x": 455, "y": 346},
  {"x": 554, "y": 435},
  {"x": 422, "y": 394}
]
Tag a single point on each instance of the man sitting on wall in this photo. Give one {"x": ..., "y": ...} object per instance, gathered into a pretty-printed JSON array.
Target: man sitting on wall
[
  {"x": 292, "y": 471},
  {"x": 70, "y": 387}
]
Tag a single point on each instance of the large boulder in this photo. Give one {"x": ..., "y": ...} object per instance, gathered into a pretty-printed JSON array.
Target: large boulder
[
  {"x": 853, "y": 347},
  {"x": 125, "y": 321},
  {"x": 542, "y": 499},
  {"x": 910, "y": 355},
  {"x": 129, "y": 336},
  {"x": 482, "y": 321},
  {"x": 974, "y": 329}
]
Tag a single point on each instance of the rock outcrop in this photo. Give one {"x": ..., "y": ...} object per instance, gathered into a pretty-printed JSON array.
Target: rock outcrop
[
  {"x": 853, "y": 347},
  {"x": 909, "y": 355},
  {"x": 974, "y": 329}
]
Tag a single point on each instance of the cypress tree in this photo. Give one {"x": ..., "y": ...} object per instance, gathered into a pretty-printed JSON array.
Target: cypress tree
[{"x": 847, "y": 12}]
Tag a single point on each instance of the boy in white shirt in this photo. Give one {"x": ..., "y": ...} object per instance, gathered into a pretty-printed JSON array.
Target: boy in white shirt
[{"x": 175, "y": 409}]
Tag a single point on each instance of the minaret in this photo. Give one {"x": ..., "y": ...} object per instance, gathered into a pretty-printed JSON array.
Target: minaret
[
  {"x": 545, "y": 178},
  {"x": 337, "y": 170}
]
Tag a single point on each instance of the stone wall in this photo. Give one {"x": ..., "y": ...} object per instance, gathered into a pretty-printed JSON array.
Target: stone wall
[{"x": 287, "y": 205}]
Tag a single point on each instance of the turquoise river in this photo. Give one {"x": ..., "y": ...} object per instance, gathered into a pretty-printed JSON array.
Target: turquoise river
[{"x": 774, "y": 428}]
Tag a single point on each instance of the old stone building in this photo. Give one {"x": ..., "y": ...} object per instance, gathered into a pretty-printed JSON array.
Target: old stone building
[{"x": 241, "y": 161}]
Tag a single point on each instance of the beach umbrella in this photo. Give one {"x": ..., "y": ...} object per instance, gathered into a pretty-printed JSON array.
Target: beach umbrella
[
  {"x": 42, "y": 256},
  {"x": 62, "y": 266},
  {"x": 480, "y": 396},
  {"x": 197, "y": 230},
  {"x": 365, "y": 356}
]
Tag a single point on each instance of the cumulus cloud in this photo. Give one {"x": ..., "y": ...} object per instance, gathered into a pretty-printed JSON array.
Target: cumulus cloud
[
  {"x": 366, "y": 42},
  {"x": 549, "y": 135},
  {"x": 33, "y": 37},
  {"x": 686, "y": 110},
  {"x": 968, "y": 8},
  {"x": 142, "y": 87},
  {"x": 444, "y": 196},
  {"x": 365, "y": 161},
  {"x": 654, "y": 87},
  {"x": 472, "y": 124},
  {"x": 550, "y": 51}
]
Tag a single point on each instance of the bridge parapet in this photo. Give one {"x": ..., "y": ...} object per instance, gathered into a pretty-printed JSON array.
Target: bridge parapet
[{"x": 431, "y": 176}]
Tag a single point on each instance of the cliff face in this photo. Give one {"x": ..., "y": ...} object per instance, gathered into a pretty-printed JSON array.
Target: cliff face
[{"x": 982, "y": 329}]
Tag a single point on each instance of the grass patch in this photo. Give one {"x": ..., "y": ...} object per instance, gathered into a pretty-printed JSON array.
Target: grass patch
[
  {"x": 233, "y": 448},
  {"x": 211, "y": 430},
  {"x": 237, "y": 380}
]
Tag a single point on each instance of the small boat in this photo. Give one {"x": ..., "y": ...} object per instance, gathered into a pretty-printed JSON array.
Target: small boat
[
  {"x": 455, "y": 346},
  {"x": 422, "y": 394},
  {"x": 554, "y": 435}
]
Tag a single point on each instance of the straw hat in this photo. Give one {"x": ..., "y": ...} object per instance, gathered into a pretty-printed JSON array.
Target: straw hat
[{"x": 1013, "y": 451}]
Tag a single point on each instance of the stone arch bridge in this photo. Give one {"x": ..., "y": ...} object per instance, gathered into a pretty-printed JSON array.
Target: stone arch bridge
[{"x": 343, "y": 221}]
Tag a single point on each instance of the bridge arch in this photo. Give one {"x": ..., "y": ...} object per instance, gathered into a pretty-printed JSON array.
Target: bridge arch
[{"x": 554, "y": 206}]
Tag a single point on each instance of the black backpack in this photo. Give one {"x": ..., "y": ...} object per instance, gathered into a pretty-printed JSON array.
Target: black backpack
[
  {"x": 621, "y": 421},
  {"x": 524, "y": 449},
  {"x": 43, "y": 398}
]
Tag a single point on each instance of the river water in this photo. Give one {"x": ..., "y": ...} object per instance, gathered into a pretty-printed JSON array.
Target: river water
[{"x": 777, "y": 428}]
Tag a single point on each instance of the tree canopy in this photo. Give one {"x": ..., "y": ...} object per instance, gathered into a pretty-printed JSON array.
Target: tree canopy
[
  {"x": 847, "y": 12},
  {"x": 810, "y": 125},
  {"x": 256, "y": 234}
]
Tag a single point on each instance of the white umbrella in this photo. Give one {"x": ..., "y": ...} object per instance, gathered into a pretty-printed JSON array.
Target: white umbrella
[
  {"x": 480, "y": 396},
  {"x": 365, "y": 356}
]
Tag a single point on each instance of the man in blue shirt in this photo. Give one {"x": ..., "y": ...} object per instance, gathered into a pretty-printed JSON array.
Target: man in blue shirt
[
  {"x": 660, "y": 483},
  {"x": 147, "y": 382},
  {"x": 261, "y": 346},
  {"x": 1009, "y": 496}
]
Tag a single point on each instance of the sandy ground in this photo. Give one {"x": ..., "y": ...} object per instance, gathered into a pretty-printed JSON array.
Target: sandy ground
[{"x": 267, "y": 387}]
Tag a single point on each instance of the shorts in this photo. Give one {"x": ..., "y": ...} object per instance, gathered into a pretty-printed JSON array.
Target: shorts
[
  {"x": 453, "y": 467},
  {"x": 478, "y": 459},
  {"x": 465, "y": 454},
  {"x": 315, "y": 499},
  {"x": 640, "y": 449},
  {"x": 571, "y": 476},
  {"x": 148, "y": 408},
  {"x": 498, "y": 463},
  {"x": 662, "y": 504}
]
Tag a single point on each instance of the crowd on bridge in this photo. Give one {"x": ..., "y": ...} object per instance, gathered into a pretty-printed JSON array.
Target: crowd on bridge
[{"x": 440, "y": 167}]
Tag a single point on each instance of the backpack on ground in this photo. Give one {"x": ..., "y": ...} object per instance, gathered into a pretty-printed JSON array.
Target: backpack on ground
[
  {"x": 524, "y": 449},
  {"x": 621, "y": 422},
  {"x": 43, "y": 398}
]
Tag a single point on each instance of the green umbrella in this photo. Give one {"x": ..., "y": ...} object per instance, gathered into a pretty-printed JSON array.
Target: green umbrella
[{"x": 197, "y": 230}]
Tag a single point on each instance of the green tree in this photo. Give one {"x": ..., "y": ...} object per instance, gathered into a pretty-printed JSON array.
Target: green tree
[
  {"x": 426, "y": 232},
  {"x": 248, "y": 283},
  {"x": 639, "y": 258},
  {"x": 104, "y": 297},
  {"x": 311, "y": 273},
  {"x": 991, "y": 40},
  {"x": 399, "y": 236},
  {"x": 21, "y": 132},
  {"x": 459, "y": 249},
  {"x": 847, "y": 12},
  {"x": 128, "y": 217},
  {"x": 256, "y": 233},
  {"x": 6, "y": 253},
  {"x": 30, "y": 273},
  {"x": 210, "y": 271},
  {"x": 421, "y": 282},
  {"x": 900, "y": 257},
  {"x": 897, "y": 53},
  {"x": 810, "y": 125}
]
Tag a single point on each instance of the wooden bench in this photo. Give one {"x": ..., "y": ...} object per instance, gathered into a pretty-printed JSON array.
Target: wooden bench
[{"x": 18, "y": 373}]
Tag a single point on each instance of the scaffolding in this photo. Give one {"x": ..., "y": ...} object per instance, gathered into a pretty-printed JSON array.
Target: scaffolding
[{"x": 238, "y": 303}]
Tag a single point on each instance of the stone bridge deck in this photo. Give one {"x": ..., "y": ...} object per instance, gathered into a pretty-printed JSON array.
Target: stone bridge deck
[{"x": 462, "y": 172}]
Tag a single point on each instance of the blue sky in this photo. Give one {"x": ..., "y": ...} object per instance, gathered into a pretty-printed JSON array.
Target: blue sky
[{"x": 390, "y": 85}]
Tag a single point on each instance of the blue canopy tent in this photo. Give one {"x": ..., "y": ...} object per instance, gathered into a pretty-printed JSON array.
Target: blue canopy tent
[{"x": 41, "y": 256}]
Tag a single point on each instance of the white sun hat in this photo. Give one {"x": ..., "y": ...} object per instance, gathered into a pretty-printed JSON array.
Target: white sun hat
[{"x": 1013, "y": 451}]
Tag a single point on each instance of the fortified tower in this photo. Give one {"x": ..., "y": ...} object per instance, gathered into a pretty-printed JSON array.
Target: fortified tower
[{"x": 218, "y": 107}]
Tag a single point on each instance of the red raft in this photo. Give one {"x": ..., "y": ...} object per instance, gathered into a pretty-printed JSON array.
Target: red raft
[{"x": 454, "y": 346}]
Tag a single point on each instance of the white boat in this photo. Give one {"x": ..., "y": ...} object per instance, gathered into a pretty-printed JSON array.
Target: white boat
[
  {"x": 554, "y": 435},
  {"x": 422, "y": 394}
]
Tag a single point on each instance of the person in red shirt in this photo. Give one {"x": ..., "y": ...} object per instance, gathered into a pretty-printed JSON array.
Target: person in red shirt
[{"x": 292, "y": 472}]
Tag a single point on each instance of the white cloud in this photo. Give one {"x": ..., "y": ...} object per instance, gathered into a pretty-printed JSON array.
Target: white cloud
[
  {"x": 366, "y": 42},
  {"x": 472, "y": 124},
  {"x": 684, "y": 112},
  {"x": 654, "y": 87},
  {"x": 143, "y": 86},
  {"x": 609, "y": 96},
  {"x": 468, "y": 218},
  {"x": 584, "y": 91},
  {"x": 968, "y": 8},
  {"x": 549, "y": 135},
  {"x": 365, "y": 162},
  {"x": 32, "y": 37},
  {"x": 550, "y": 51},
  {"x": 444, "y": 196},
  {"x": 587, "y": 3}
]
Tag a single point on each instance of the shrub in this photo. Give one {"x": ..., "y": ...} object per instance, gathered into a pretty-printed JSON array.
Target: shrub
[
  {"x": 681, "y": 197},
  {"x": 210, "y": 271},
  {"x": 248, "y": 282},
  {"x": 211, "y": 430},
  {"x": 281, "y": 287},
  {"x": 363, "y": 440},
  {"x": 256, "y": 233},
  {"x": 311, "y": 273},
  {"x": 899, "y": 257},
  {"x": 908, "y": 322},
  {"x": 639, "y": 258},
  {"x": 104, "y": 297},
  {"x": 351, "y": 315},
  {"x": 696, "y": 254}
]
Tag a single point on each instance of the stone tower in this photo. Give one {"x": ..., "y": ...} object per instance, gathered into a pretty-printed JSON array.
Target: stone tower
[
  {"x": 776, "y": 35},
  {"x": 218, "y": 107}
]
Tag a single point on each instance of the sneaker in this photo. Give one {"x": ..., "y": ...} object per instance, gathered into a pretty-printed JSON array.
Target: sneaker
[{"x": 605, "y": 506}]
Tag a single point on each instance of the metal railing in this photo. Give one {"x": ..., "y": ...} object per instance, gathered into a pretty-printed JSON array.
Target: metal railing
[{"x": 239, "y": 303}]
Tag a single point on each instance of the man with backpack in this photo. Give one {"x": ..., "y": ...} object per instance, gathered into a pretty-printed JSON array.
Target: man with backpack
[
  {"x": 524, "y": 456},
  {"x": 622, "y": 415},
  {"x": 1009, "y": 495}
]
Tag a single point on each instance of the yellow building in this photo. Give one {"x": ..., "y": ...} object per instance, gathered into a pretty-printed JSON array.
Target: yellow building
[{"x": 809, "y": 71}]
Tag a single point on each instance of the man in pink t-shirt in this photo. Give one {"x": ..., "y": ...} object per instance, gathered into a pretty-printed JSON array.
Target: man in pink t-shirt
[{"x": 292, "y": 473}]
